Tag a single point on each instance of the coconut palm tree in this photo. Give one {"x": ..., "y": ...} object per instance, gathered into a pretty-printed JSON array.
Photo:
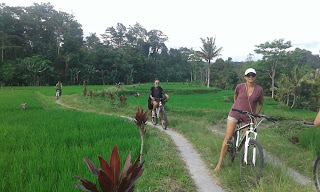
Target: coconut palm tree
[{"x": 209, "y": 51}]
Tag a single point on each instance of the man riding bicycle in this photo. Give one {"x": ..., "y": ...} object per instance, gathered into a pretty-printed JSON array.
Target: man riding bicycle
[{"x": 156, "y": 93}]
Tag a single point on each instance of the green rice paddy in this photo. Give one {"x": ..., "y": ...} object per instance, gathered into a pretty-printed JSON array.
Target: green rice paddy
[{"x": 42, "y": 147}]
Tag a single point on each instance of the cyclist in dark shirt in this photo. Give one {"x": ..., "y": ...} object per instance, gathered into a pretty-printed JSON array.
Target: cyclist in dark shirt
[{"x": 156, "y": 92}]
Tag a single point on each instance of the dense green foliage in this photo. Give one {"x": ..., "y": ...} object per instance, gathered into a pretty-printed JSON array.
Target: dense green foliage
[{"x": 40, "y": 45}]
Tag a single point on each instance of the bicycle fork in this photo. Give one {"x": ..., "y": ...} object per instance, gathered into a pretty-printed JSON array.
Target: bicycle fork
[{"x": 247, "y": 144}]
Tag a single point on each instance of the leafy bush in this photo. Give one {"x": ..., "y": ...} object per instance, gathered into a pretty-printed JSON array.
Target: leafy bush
[{"x": 110, "y": 177}]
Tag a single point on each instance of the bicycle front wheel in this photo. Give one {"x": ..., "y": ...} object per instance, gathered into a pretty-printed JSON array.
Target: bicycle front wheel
[
  {"x": 316, "y": 173},
  {"x": 250, "y": 171},
  {"x": 163, "y": 118}
]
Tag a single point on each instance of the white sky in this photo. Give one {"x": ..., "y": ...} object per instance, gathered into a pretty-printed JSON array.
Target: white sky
[{"x": 238, "y": 25}]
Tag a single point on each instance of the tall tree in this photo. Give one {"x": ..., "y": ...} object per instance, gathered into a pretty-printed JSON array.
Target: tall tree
[
  {"x": 194, "y": 59},
  {"x": 115, "y": 37},
  {"x": 156, "y": 40},
  {"x": 209, "y": 51},
  {"x": 272, "y": 53}
]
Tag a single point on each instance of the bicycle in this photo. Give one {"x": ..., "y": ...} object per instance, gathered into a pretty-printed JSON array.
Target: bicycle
[
  {"x": 161, "y": 114},
  {"x": 316, "y": 170},
  {"x": 251, "y": 158}
]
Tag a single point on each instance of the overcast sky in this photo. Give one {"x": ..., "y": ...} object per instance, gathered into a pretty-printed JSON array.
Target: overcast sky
[{"x": 238, "y": 25}]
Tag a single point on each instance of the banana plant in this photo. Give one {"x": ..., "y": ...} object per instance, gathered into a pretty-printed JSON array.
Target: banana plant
[{"x": 111, "y": 178}]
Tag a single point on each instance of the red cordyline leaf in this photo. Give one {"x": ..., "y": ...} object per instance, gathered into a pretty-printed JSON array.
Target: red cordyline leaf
[
  {"x": 91, "y": 167},
  {"x": 141, "y": 118},
  {"x": 126, "y": 165},
  {"x": 106, "y": 168},
  {"x": 129, "y": 181},
  {"x": 87, "y": 185},
  {"x": 105, "y": 183},
  {"x": 115, "y": 165}
]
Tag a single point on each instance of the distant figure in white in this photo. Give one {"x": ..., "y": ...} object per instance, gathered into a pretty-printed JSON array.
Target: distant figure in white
[
  {"x": 23, "y": 105},
  {"x": 58, "y": 89}
]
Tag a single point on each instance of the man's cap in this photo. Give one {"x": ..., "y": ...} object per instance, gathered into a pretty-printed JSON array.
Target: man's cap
[{"x": 250, "y": 70}]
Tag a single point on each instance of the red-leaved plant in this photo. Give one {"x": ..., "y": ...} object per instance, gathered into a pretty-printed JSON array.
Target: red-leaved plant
[
  {"x": 140, "y": 120},
  {"x": 123, "y": 99},
  {"x": 137, "y": 96},
  {"x": 110, "y": 178},
  {"x": 111, "y": 95}
]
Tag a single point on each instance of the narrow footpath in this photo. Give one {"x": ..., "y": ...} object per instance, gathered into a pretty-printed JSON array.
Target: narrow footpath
[{"x": 203, "y": 181}]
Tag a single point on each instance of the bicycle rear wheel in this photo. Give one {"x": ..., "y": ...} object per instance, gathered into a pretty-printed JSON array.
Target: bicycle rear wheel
[
  {"x": 316, "y": 173},
  {"x": 154, "y": 120},
  {"x": 251, "y": 171},
  {"x": 163, "y": 119}
]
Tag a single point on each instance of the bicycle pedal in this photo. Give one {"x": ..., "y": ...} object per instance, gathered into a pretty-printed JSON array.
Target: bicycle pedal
[{"x": 229, "y": 142}]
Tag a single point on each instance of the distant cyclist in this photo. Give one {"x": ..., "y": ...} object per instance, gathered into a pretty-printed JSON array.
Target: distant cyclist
[
  {"x": 156, "y": 92},
  {"x": 59, "y": 87}
]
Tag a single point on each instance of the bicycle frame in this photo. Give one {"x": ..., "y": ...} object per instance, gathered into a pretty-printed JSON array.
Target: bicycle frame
[
  {"x": 159, "y": 108},
  {"x": 249, "y": 134}
]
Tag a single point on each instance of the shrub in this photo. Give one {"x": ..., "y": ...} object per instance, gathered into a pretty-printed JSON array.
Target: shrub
[
  {"x": 103, "y": 94},
  {"x": 111, "y": 96},
  {"x": 91, "y": 94},
  {"x": 123, "y": 99},
  {"x": 111, "y": 178}
]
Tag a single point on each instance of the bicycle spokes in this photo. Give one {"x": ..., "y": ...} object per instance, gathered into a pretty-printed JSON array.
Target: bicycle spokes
[{"x": 251, "y": 163}]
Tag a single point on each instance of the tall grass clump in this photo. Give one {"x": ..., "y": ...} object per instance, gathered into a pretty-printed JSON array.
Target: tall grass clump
[{"x": 310, "y": 139}]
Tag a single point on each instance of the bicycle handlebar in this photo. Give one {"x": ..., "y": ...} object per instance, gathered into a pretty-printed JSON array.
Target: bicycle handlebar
[
  {"x": 250, "y": 114},
  {"x": 163, "y": 99}
]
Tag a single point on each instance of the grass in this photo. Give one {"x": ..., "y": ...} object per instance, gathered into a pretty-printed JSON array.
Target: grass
[
  {"x": 191, "y": 110},
  {"x": 43, "y": 147}
]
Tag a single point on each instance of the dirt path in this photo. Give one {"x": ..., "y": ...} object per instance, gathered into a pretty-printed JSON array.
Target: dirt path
[
  {"x": 269, "y": 158},
  {"x": 203, "y": 181}
]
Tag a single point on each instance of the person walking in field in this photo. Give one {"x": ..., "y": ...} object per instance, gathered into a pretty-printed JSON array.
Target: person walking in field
[
  {"x": 59, "y": 87},
  {"x": 246, "y": 97},
  {"x": 156, "y": 92}
]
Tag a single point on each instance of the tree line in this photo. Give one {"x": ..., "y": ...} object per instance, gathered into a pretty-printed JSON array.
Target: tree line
[{"x": 40, "y": 45}]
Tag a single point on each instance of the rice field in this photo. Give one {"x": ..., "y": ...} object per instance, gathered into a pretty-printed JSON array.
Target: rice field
[
  {"x": 43, "y": 147},
  {"x": 51, "y": 142}
]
